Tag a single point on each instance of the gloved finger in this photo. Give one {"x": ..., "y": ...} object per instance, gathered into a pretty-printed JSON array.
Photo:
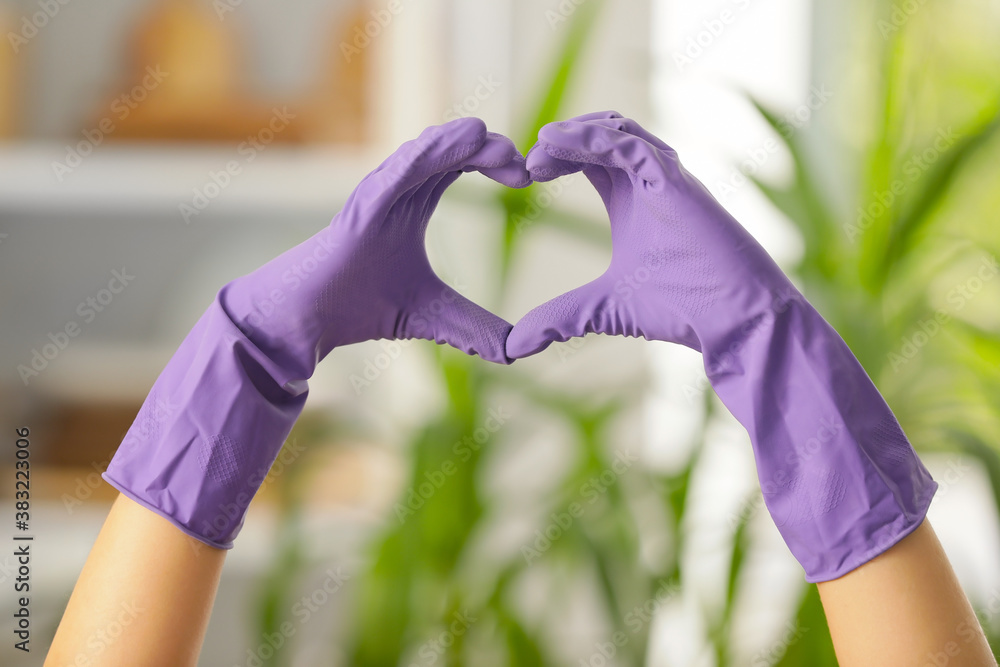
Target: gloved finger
[
  {"x": 634, "y": 128},
  {"x": 543, "y": 167},
  {"x": 667, "y": 155},
  {"x": 591, "y": 142},
  {"x": 586, "y": 309},
  {"x": 499, "y": 160},
  {"x": 430, "y": 194},
  {"x": 548, "y": 168},
  {"x": 443, "y": 315},
  {"x": 603, "y": 181},
  {"x": 596, "y": 115},
  {"x": 437, "y": 149},
  {"x": 514, "y": 174}
]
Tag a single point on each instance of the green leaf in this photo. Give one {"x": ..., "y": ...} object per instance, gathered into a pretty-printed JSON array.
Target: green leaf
[
  {"x": 461, "y": 379},
  {"x": 803, "y": 201},
  {"x": 524, "y": 649},
  {"x": 875, "y": 238},
  {"x": 787, "y": 200},
  {"x": 985, "y": 345},
  {"x": 601, "y": 557},
  {"x": 274, "y": 602},
  {"x": 721, "y": 626},
  {"x": 740, "y": 546},
  {"x": 384, "y": 615},
  {"x": 934, "y": 187},
  {"x": 806, "y": 640}
]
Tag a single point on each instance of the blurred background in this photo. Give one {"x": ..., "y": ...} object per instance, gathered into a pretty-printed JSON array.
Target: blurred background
[{"x": 152, "y": 150}]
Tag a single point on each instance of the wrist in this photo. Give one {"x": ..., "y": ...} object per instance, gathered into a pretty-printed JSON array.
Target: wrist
[{"x": 208, "y": 432}]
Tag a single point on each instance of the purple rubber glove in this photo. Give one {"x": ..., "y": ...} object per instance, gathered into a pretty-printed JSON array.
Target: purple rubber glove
[
  {"x": 217, "y": 416},
  {"x": 838, "y": 475}
]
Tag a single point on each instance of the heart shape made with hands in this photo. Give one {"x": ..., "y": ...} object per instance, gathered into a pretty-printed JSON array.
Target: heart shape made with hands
[
  {"x": 661, "y": 281},
  {"x": 371, "y": 278},
  {"x": 682, "y": 270}
]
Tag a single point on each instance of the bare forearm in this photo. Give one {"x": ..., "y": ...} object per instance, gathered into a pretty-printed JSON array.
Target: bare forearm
[
  {"x": 904, "y": 608},
  {"x": 144, "y": 596}
]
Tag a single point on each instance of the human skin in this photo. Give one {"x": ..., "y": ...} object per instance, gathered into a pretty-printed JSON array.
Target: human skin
[
  {"x": 904, "y": 608},
  {"x": 144, "y": 596},
  {"x": 898, "y": 610}
]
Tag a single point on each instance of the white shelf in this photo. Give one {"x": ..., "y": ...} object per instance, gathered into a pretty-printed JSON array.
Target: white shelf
[{"x": 161, "y": 177}]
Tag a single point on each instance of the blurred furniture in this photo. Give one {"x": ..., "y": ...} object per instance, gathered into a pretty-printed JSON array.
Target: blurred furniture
[
  {"x": 7, "y": 78},
  {"x": 188, "y": 80}
]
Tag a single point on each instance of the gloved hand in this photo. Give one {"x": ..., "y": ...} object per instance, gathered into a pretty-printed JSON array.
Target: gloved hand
[
  {"x": 837, "y": 473},
  {"x": 217, "y": 416}
]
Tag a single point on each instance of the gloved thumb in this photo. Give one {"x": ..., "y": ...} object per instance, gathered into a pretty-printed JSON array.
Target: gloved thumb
[
  {"x": 445, "y": 316},
  {"x": 578, "y": 312}
]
